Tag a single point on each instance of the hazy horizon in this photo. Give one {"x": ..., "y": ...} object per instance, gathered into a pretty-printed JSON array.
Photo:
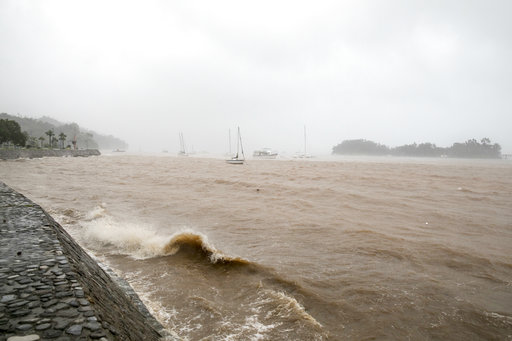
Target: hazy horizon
[{"x": 393, "y": 72}]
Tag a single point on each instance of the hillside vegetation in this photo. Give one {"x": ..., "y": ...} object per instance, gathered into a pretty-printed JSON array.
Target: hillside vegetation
[
  {"x": 469, "y": 149},
  {"x": 36, "y": 132}
]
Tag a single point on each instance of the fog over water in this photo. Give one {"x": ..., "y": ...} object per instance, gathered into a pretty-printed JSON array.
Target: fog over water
[{"x": 395, "y": 72}]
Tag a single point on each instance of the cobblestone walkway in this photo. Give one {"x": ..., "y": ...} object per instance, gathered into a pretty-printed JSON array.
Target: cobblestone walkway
[
  {"x": 40, "y": 296},
  {"x": 53, "y": 292}
]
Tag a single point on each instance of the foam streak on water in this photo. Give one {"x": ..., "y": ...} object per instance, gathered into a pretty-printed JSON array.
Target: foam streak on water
[{"x": 295, "y": 250}]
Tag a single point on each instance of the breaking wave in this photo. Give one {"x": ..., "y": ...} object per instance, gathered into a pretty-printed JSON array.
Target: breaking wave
[
  {"x": 191, "y": 241},
  {"x": 289, "y": 307},
  {"x": 141, "y": 241}
]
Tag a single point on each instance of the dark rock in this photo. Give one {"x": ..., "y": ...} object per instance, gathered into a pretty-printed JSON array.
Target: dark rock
[
  {"x": 74, "y": 303},
  {"x": 98, "y": 334},
  {"x": 52, "y": 334},
  {"x": 30, "y": 320},
  {"x": 61, "y": 323},
  {"x": 44, "y": 287},
  {"x": 24, "y": 327},
  {"x": 49, "y": 303},
  {"x": 83, "y": 301},
  {"x": 33, "y": 304},
  {"x": 61, "y": 306},
  {"x": 16, "y": 304},
  {"x": 6, "y": 327},
  {"x": 25, "y": 281},
  {"x": 75, "y": 329},
  {"x": 8, "y": 298},
  {"x": 92, "y": 326},
  {"x": 89, "y": 313},
  {"x": 48, "y": 313},
  {"x": 63, "y": 294},
  {"x": 21, "y": 312},
  {"x": 43, "y": 326},
  {"x": 67, "y": 313},
  {"x": 84, "y": 308}
]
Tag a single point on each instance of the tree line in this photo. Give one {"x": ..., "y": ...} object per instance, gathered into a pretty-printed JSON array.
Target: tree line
[
  {"x": 37, "y": 134},
  {"x": 469, "y": 149},
  {"x": 11, "y": 134}
]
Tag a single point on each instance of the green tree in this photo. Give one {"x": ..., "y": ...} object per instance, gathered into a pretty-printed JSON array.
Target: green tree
[
  {"x": 360, "y": 147},
  {"x": 41, "y": 138},
  {"x": 50, "y": 134},
  {"x": 10, "y": 131},
  {"x": 32, "y": 142},
  {"x": 62, "y": 138}
]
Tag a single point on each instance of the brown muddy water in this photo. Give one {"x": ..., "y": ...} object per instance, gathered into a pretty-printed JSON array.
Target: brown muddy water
[{"x": 339, "y": 249}]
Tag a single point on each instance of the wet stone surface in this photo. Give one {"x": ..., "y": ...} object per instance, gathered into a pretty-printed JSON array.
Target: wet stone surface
[{"x": 38, "y": 299}]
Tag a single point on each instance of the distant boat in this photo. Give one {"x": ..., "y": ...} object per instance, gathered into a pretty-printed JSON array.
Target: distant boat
[
  {"x": 237, "y": 159},
  {"x": 264, "y": 153},
  {"x": 305, "y": 155},
  {"x": 182, "y": 151}
]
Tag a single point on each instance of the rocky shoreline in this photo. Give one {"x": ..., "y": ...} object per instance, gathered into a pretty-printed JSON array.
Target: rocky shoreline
[
  {"x": 51, "y": 289},
  {"x": 9, "y": 154}
]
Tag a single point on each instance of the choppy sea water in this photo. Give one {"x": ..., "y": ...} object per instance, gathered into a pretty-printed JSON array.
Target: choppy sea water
[{"x": 339, "y": 249}]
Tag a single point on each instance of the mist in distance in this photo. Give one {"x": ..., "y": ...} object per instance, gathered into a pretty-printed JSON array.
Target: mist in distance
[{"x": 394, "y": 72}]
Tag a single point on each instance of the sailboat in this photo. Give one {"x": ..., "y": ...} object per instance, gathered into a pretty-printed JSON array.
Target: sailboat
[
  {"x": 237, "y": 159},
  {"x": 305, "y": 155},
  {"x": 182, "y": 151}
]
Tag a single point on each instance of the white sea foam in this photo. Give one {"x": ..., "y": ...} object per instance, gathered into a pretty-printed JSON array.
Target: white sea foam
[
  {"x": 142, "y": 241},
  {"x": 96, "y": 212},
  {"x": 289, "y": 306},
  {"x": 135, "y": 239}
]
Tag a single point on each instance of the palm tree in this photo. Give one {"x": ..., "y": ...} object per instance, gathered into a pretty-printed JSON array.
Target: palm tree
[
  {"x": 32, "y": 142},
  {"x": 41, "y": 139},
  {"x": 50, "y": 133},
  {"x": 62, "y": 138}
]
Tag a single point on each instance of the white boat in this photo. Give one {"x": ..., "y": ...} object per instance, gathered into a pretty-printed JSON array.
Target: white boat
[
  {"x": 183, "y": 151},
  {"x": 264, "y": 153},
  {"x": 237, "y": 159},
  {"x": 305, "y": 155}
]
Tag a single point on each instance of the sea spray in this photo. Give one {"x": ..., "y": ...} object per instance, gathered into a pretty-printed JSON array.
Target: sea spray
[
  {"x": 142, "y": 241},
  {"x": 137, "y": 240}
]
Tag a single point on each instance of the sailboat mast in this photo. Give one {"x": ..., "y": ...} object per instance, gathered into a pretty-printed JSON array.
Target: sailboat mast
[
  {"x": 229, "y": 136},
  {"x": 238, "y": 143},
  {"x": 305, "y": 141},
  {"x": 240, "y": 140}
]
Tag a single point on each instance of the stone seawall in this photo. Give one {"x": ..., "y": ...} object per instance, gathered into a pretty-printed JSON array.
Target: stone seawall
[
  {"x": 50, "y": 288},
  {"x": 7, "y": 154}
]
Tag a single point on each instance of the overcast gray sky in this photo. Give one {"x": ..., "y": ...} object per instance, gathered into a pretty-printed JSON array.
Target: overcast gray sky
[{"x": 394, "y": 72}]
